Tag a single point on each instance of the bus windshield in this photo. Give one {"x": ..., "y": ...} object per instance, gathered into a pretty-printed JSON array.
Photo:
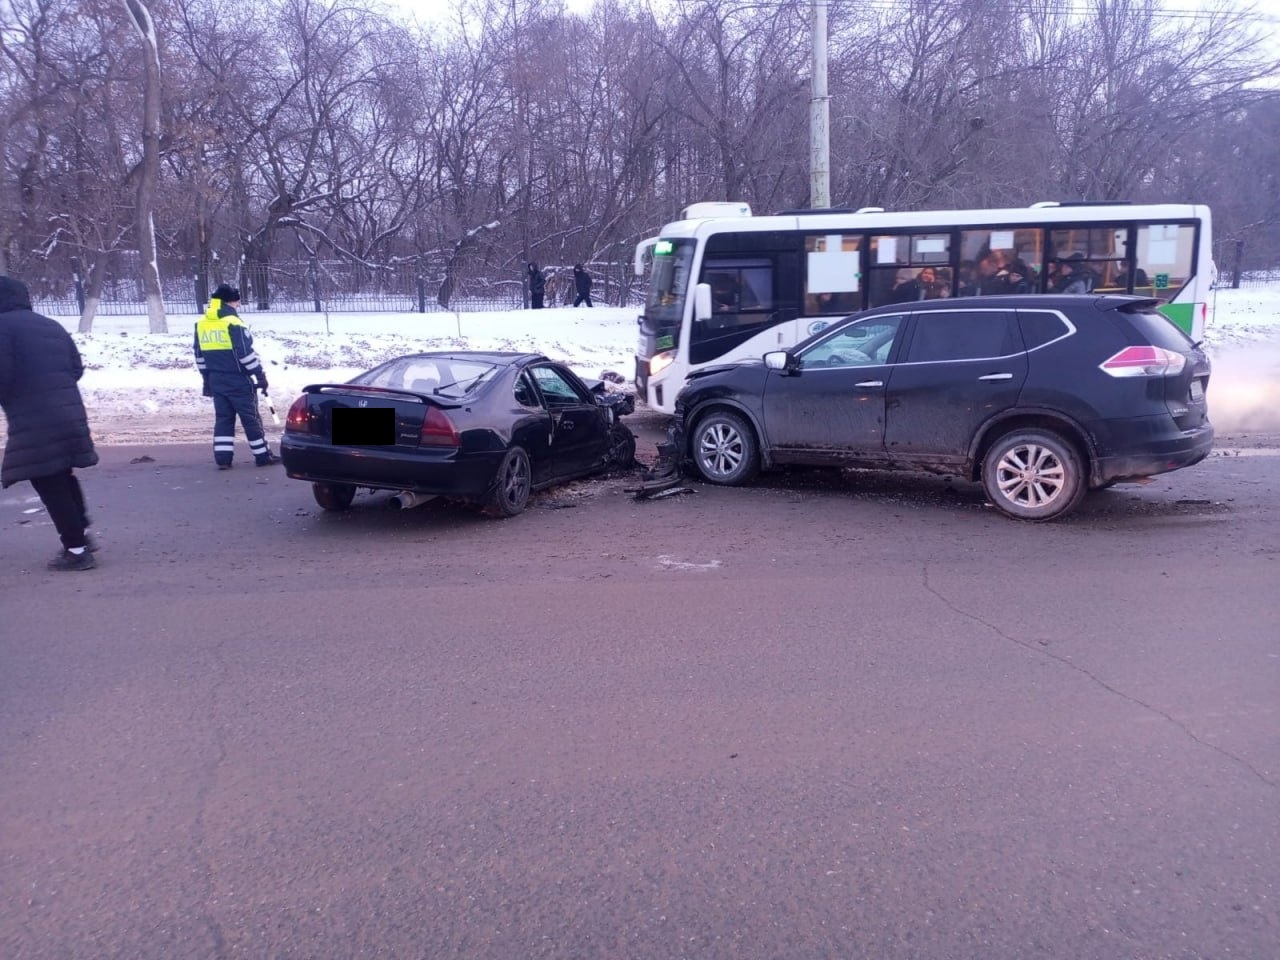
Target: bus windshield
[{"x": 669, "y": 284}]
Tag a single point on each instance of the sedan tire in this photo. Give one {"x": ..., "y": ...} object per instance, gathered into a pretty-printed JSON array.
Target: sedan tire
[
  {"x": 1033, "y": 475},
  {"x": 512, "y": 485},
  {"x": 622, "y": 448},
  {"x": 334, "y": 497},
  {"x": 724, "y": 449}
]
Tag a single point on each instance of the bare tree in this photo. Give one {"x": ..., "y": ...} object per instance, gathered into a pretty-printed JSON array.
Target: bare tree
[{"x": 149, "y": 166}]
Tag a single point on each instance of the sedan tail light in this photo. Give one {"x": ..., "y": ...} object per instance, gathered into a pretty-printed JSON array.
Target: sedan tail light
[
  {"x": 299, "y": 417},
  {"x": 437, "y": 430},
  {"x": 1144, "y": 361}
]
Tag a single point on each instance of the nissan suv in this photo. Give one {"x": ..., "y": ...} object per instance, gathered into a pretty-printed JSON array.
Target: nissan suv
[{"x": 1041, "y": 398}]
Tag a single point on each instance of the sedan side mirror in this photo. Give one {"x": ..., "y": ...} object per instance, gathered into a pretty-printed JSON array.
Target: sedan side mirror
[{"x": 781, "y": 360}]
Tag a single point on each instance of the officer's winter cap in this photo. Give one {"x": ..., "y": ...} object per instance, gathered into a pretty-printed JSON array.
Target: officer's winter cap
[{"x": 226, "y": 293}]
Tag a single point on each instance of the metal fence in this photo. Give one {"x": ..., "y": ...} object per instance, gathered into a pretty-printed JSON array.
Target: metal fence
[
  {"x": 321, "y": 286},
  {"x": 1249, "y": 278}
]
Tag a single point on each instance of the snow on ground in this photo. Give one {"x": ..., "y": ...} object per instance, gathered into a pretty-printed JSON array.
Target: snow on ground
[{"x": 143, "y": 388}]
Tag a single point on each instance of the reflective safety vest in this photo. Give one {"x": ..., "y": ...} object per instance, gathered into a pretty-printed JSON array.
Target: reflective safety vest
[{"x": 224, "y": 346}]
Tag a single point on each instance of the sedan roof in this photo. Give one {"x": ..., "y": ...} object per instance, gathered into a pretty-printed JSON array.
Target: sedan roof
[{"x": 496, "y": 357}]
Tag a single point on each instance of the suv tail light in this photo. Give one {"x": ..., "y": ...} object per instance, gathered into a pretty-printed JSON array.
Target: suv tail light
[
  {"x": 437, "y": 430},
  {"x": 299, "y": 418},
  {"x": 1144, "y": 361}
]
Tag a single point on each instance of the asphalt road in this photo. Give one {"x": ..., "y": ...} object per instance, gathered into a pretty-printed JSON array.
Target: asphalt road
[{"x": 820, "y": 717}]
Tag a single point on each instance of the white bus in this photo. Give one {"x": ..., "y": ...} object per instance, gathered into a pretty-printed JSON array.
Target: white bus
[{"x": 725, "y": 285}]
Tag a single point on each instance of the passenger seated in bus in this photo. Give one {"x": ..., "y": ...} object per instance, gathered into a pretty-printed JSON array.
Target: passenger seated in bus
[
  {"x": 832, "y": 302},
  {"x": 1016, "y": 275},
  {"x": 1121, "y": 279},
  {"x": 1072, "y": 276},
  {"x": 925, "y": 285}
]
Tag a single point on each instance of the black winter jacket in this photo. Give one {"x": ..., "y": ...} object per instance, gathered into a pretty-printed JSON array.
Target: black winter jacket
[{"x": 39, "y": 370}]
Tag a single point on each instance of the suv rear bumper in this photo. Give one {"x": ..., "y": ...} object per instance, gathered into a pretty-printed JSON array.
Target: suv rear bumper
[{"x": 1146, "y": 446}]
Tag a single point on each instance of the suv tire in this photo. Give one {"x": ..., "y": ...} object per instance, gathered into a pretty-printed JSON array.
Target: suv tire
[
  {"x": 1033, "y": 475},
  {"x": 724, "y": 449}
]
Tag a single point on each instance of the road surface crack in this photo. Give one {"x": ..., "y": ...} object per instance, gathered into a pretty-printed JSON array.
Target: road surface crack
[{"x": 1041, "y": 651}]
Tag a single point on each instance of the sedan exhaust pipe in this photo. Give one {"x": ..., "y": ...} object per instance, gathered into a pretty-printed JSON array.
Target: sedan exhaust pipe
[{"x": 407, "y": 499}]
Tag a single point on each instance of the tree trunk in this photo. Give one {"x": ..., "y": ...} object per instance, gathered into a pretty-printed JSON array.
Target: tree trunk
[
  {"x": 93, "y": 291},
  {"x": 150, "y": 172}
]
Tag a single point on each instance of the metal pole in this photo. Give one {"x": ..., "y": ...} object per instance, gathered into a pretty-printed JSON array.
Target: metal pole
[
  {"x": 819, "y": 115},
  {"x": 313, "y": 269},
  {"x": 1235, "y": 273}
]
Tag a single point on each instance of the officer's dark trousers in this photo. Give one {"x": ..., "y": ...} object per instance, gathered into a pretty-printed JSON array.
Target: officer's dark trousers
[
  {"x": 228, "y": 404},
  {"x": 63, "y": 498}
]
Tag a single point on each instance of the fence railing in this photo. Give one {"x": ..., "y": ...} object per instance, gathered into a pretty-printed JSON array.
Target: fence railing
[{"x": 319, "y": 286}]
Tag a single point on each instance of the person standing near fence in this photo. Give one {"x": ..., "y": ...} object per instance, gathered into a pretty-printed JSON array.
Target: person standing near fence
[
  {"x": 582, "y": 283},
  {"x": 40, "y": 370},
  {"x": 230, "y": 369},
  {"x": 537, "y": 286}
]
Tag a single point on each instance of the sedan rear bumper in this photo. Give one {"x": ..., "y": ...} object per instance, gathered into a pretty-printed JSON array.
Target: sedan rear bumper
[
  {"x": 443, "y": 472},
  {"x": 1146, "y": 446}
]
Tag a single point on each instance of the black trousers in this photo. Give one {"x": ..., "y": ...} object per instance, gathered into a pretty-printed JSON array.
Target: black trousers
[
  {"x": 536, "y": 299},
  {"x": 228, "y": 404},
  {"x": 64, "y": 500},
  {"x": 583, "y": 297}
]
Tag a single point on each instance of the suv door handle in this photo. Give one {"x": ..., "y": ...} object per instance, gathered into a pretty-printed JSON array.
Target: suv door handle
[
  {"x": 997, "y": 376},
  {"x": 870, "y": 383}
]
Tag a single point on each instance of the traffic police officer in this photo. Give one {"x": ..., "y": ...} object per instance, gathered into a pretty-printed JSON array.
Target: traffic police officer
[{"x": 230, "y": 369}]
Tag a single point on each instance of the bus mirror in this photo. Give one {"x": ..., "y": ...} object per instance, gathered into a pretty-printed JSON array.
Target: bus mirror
[{"x": 702, "y": 301}]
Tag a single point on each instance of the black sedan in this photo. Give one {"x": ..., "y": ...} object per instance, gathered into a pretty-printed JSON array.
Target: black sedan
[
  {"x": 489, "y": 428},
  {"x": 1041, "y": 398}
]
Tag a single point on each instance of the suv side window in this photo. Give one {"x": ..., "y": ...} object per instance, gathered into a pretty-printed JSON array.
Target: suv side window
[
  {"x": 859, "y": 344},
  {"x": 1040, "y": 327},
  {"x": 963, "y": 335}
]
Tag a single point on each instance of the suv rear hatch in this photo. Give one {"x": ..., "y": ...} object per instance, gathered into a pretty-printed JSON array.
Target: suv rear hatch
[{"x": 1175, "y": 370}]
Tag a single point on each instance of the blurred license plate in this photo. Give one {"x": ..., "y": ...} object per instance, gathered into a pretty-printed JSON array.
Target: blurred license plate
[
  {"x": 364, "y": 426},
  {"x": 1197, "y": 390}
]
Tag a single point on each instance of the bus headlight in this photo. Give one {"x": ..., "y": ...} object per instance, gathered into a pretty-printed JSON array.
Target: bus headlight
[{"x": 660, "y": 361}]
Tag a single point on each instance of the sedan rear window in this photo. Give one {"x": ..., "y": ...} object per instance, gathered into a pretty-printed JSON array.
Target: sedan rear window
[{"x": 453, "y": 377}]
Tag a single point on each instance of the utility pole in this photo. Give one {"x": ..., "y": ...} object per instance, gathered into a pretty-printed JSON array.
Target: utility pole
[{"x": 819, "y": 114}]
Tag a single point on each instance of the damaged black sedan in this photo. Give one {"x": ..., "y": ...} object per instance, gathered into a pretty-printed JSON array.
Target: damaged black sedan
[{"x": 488, "y": 428}]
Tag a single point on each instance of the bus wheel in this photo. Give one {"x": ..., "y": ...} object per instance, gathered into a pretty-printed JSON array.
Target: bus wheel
[
  {"x": 1033, "y": 475},
  {"x": 725, "y": 449}
]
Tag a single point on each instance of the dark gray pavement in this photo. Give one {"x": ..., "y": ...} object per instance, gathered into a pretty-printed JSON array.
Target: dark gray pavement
[{"x": 820, "y": 717}]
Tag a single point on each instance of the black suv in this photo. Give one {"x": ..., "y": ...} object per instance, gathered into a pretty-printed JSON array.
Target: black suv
[{"x": 1039, "y": 397}]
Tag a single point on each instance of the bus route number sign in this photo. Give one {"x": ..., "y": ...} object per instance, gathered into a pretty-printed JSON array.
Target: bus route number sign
[{"x": 1162, "y": 280}]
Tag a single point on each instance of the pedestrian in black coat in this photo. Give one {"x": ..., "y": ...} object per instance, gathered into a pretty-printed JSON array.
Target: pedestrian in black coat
[
  {"x": 40, "y": 368},
  {"x": 582, "y": 283},
  {"x": 537, "y": 286}
]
